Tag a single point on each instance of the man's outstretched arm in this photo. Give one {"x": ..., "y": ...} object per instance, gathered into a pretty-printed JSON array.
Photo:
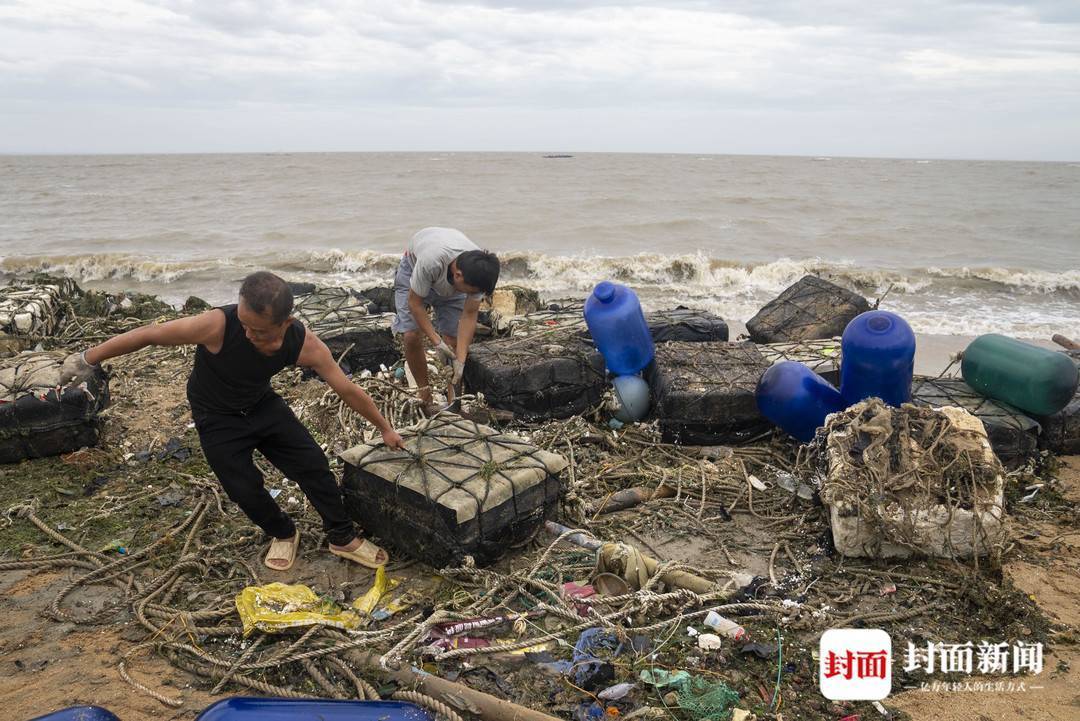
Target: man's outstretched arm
[
  {"x": 317, "y": 356},
  {"x": 206, "y": 329}
]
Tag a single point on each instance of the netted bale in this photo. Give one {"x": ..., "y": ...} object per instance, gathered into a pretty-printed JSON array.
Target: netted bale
[
  {"x": 811, "y": 308},
  {"x": 703, "y": 393},
  {"x": 912, "y": 481},
  {"x": 39, "y": 418},
  {"x": 686, "y": 324},
  {"x": 459, "y": 489},
  {"x": 823, "y": 356},
  {"x": 557, "y": 317},
  {"x": 553, "y": 375},
  {"x": 1013, "y": 435},
  {"x": 1061, "y": 431},
  {"x": 340, "y": 318},
  {"x": 35, "y": 309},
  {"x": 382, "y": 298}
]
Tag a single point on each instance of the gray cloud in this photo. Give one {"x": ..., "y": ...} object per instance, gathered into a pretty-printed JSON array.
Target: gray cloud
[{"x": 789, "y": 65}]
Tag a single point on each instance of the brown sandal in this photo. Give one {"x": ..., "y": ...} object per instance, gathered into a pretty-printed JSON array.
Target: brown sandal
[
  {"x": 366, "y": 555},
  {"x": 283, "y": 549}
]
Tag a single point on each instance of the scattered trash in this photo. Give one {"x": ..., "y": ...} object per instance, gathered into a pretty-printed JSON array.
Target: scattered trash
[
  {"x": 756, "y": 482},
  {"x": 277, "y": 606},
  {"x": 589, "y": 671},
  {"x": 788, "y": 482},
  {"x": 174, "y": 449},
  {"x": 662, "y": 678},
  {"x": 760, "y": 650},
  {"x": 366, "y": 604},
  {"x": 741, "y": 714},
  {"x": 64, "y": 526},
  {"x": 709, "y": 642},
  {"x": 573, "y": 591},
  {"x": 275, "y": 492},
  {"x": 616, "y": 692},
  {"x": 724, "y": 626},
  {"x": 888, "y": 589},
  {"x": 171, "y": 497}
]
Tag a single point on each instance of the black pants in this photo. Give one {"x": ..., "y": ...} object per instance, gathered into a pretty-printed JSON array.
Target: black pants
[{"x": 228, "y": 442}]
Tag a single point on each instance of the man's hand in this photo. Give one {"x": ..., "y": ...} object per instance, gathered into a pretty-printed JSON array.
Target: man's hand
[
  {"x": 392, "y": 439},
  {"x": 76, "y": 370},
  {"x": 459, "y": 370},
  {"x": 446, "y": 352}
]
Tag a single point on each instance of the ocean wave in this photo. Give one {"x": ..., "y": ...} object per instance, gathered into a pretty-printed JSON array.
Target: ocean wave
[{"x": 107, "y": 266}]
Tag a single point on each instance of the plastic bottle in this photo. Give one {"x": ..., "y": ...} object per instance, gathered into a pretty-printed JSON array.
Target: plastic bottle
[
  {"x": 618, "y": 328},
  {"x": 878, "y": 358},
  {"x": 797, "y": 399},
  {"x": 724, "y": 626},
  {"x": 1036, "y": 380}
]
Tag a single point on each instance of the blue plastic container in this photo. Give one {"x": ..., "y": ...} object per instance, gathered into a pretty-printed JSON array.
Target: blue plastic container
[
  {"x": 797, "y": 399},
  {"x": 877, "y": 358},
  {"x": 79, "y": 713},
  {"x": 618, "y": 328},
  {"x": 291, "y": 709}
]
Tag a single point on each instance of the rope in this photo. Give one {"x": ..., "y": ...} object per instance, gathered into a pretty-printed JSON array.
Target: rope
[{"x": 429, "y": 703}]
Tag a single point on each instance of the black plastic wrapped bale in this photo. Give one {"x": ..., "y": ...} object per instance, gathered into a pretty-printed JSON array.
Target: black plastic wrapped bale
[
  {"x": 1013, "y": 435},
  {"x": 553, "y": 375},
  {"x": 811, "y": 308},
  {"x": 685, "y": 324},
  {"x": 382, "y": 297},
  {"x": 559, "y": 316},
  {"x": 822, "y": 356},
  {"x": 340, "y": 318},
  {"x": 38, "y": 418},
  {"x": 703, "y": 393},
  {"x": 1061, "y": 431},
  {"x": 459, "y": 489}
]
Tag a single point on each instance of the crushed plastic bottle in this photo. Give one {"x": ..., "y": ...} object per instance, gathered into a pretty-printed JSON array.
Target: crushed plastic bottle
[{"x": 724, "y": 626}]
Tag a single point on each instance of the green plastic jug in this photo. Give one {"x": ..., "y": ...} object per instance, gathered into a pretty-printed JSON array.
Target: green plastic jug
[{"x": 1036, "y": 380}]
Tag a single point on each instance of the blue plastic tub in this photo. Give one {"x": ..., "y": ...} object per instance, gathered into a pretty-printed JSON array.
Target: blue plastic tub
[
  {"x": 878, "y": 358},
  {"x": 797, "y": 399},
  {"x": 618, "y": 328},
  {"x": 289, "y": 709},
  {"x": 79, "y": 713}
]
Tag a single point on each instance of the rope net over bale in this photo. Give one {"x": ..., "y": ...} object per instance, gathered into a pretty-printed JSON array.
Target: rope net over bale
[
  {"x": 911, "y": 480},
  {"x": 459, "y": 488},
  {"x": 40, "y": 418},
  {"x": 811, "y": 308},
  {"x": 35, "y": 310},
  {"x": 821, "y": 355},
  {"x": 340, "y": 319}
]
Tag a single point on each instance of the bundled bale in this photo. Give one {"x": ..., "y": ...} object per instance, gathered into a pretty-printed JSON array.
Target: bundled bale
[
  {"x": 1013, "y": 435},
  {"x": 34, "y": 310},
  {"x": 37, "y": 417},
  {"x": 340, "y": 318},
  {"x": 703, "y": 393},
  {"x": 553, "y": 375},
  {"x": 912, "y": 480},
  {"x": 458, "y": 489},
  {"x": 1061, "y": 431},
  {"x": 380, "y": 299},
  {"x": 685, "y": 324},
  {"x": 559, "y": 316},
  {"x": 823, "y": 356},
  {"x": 811, "y": 308}
]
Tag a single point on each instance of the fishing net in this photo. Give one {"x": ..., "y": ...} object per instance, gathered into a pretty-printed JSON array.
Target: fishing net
[
  {"x": 703, "y": 393},
  {"x": 560, "y": 317},
  {"x": 706, "y": 700},
  {"x": 37, "y": 417},
  {"x": 35, "y": 310},
  {"x": 811, "y": 308},
  {"x": 552, "y": 375},
  {"x": 821, "y": 355},
  {"x": 1013, "y": 435},
  {"x": 685, "y": 324},
  {"x": 911, "y": 480},
  {"x": 459, "y": 488},
  {"x": 340, "y": 318}
]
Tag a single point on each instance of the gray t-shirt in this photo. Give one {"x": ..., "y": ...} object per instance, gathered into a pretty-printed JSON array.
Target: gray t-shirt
[{"x": 431, "y": 251}]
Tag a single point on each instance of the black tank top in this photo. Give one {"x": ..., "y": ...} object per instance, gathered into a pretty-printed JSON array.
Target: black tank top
[{"x": 237, "y": 377}]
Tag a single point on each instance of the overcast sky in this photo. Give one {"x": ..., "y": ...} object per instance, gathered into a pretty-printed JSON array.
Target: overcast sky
[{"x": 909, "y": 78}]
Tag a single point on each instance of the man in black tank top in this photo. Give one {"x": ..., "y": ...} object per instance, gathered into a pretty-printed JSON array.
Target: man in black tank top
[{"x": 240, "y": 348}]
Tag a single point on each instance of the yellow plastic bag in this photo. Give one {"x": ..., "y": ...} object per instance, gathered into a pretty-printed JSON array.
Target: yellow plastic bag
[
  {"x": 366, "y": 604},
  {"x": 278, "y": 606}
]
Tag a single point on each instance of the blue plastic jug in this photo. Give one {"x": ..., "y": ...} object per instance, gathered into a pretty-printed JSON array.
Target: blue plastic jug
[
  {"x": 877, "y": 358},
  {"x": 797, "y": 399},
  {"x": 291, "y": 709},
  {"x": 79, "y": 713},
  {"x": 618, "y": 328}
]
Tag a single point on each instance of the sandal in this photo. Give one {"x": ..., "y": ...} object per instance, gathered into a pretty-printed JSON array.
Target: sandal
[
  {"x": 366, "y": 555},
  {"x": 283, "y": 549}
]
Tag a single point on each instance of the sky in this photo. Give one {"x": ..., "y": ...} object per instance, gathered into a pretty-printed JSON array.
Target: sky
[{"x": 906, "y": 78}]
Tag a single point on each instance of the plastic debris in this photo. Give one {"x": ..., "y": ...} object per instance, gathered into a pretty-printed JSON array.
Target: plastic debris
[
  {"x": 724, "y": 626},
  {"x": 589, "y": 671},
  {"x": 760, "y": 650},
  {"x": 741, "y": 714},
  {"x": 709, "y": 642},
  {"x": 662, "y": 678},
  {"x": 278, "y": 606},
  {"x": 382, "y": 585},
  {"x": 573, "y": 591},
  {"x": 616, "y": 692}
]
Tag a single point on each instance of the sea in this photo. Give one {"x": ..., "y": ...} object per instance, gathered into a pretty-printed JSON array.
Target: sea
[{"x": 955, "y": 247}]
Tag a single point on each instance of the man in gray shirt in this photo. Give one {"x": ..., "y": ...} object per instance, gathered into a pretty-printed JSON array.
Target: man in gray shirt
[{"x": 444, "y": 270}]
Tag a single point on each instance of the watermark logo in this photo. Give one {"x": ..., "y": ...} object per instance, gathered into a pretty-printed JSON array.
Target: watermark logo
[{"x": 855, "y": 664}]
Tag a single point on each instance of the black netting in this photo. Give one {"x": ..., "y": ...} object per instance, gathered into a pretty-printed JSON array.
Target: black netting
[
  {"x": 1013, "y": 435},
  {"x": 684, "y": 324},
  {"x": 822, "y": 356},
  {"x": 340, "y": 318},
  {"x": 458, "y": 489},
  {"x": 811, "y": 308},
  {"x": 703, "y": 393},
  {"x": 1061, "y": 431},
  {"x": 548, "y": 375},
  {"x": 37, "y": 418}
]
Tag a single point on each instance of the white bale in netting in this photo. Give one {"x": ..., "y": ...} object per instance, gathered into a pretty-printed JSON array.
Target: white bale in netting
[
  {"x": 34, "y": 310},
  {"x": 912, "y": 481}
]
